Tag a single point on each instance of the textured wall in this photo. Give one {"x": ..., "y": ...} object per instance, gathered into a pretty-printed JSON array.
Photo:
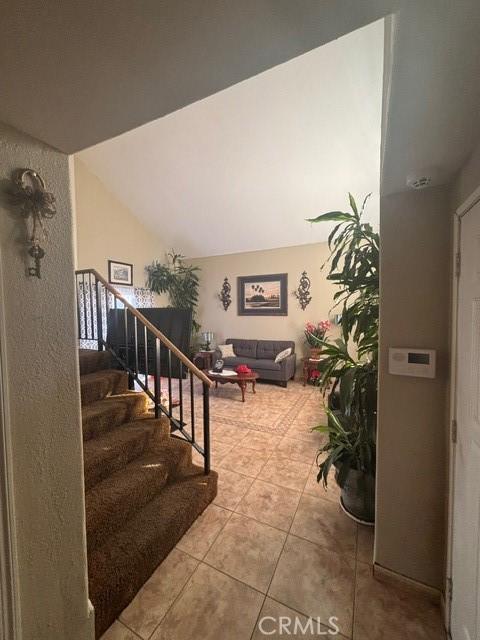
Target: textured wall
[
  {"x": 44, "y": 405},
  {"x": 291, "y": 260},
  {"x": 415, "y": 312}
]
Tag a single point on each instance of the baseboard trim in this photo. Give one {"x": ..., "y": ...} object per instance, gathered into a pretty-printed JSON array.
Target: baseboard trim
[{"x": 394, "y": 578}]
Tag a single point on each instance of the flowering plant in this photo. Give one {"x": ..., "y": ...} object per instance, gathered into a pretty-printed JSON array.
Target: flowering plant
[{"x": 316, "y": 333}]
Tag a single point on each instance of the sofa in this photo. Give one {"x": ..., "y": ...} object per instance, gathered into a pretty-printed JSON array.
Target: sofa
[{"x": 260, "y": 356}]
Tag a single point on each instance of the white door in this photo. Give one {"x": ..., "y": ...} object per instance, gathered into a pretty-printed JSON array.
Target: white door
[{"x": 465, "y": 612}]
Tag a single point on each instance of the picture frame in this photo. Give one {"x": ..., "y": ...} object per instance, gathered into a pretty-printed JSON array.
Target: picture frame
[
  {"x": 263, "y": 295},
  {"x": 120, "y": 273}
]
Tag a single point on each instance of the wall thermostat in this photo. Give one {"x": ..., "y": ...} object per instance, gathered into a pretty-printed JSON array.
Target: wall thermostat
[{"x": 411, "y": 362}]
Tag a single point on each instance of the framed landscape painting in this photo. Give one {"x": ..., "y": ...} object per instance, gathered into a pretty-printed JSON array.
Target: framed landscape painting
[
  {"x": 263, "y": 295},
  {"x": 120, "y": 273}
]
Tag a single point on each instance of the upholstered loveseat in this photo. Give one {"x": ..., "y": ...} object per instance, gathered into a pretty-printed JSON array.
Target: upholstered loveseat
[{"x": 260, "y": 356}]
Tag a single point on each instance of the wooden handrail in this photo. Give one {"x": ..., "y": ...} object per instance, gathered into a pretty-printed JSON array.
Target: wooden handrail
[{"x": 158, "y": 334}]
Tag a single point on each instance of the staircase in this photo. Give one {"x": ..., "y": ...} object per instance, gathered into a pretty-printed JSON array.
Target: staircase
[{"x": 142, "y": 491}]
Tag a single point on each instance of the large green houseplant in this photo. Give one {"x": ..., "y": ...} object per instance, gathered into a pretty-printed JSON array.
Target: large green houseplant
[
  {"x": 351, "y": 362},
  {"x": 178, "y": 280}
]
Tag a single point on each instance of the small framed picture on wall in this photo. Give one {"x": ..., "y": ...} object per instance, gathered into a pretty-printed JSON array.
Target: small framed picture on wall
[
  {"x": 263, "y": 295},
  {"x": 120, "y": 273}
]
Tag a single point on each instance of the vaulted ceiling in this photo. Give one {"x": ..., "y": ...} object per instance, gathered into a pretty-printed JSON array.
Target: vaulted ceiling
[
  {"x": 75, "y": 74},
  {"x": 242, "y": 169}
]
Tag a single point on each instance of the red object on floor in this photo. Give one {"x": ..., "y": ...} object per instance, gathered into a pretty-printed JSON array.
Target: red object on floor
[{"x": 242, "y": 368}]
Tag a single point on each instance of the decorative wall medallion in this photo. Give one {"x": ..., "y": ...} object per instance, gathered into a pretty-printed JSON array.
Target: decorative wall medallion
[
  {"x": 303, "y": 292},
  {"x": 224, "y": 294},
  {"x": 28, "y": 196}
]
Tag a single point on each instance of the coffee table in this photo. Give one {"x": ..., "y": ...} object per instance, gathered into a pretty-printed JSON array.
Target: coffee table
[{"x": 242, "y": 379}]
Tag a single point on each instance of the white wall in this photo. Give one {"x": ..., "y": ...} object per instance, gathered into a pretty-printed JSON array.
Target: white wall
[
  {"x": 108, "y": 230},
  {"x": 40, "y": 362},
  {"x": 291, "y": 260},
  {"x": 412, "y": 421}
]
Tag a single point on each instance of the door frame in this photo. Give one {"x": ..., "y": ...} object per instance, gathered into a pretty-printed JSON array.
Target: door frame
[
  {"x": 462, "y": 210},
  {"x": 10, "y": 623}
]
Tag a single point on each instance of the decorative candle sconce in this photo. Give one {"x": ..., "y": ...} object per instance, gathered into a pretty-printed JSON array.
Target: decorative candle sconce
[
  {"x": 224, "y": 294},
  {"x": 303, "y": 292},
  {"x": 28, "y": 196}
]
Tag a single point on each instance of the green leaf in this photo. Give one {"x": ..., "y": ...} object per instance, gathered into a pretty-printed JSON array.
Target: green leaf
[{"x": 331, "y": 216}]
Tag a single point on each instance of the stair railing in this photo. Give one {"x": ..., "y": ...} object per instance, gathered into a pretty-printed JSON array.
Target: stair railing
[{"x": 107, "y": 321}]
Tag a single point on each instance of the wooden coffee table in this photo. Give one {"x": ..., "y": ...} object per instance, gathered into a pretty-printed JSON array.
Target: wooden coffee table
[{"x": 242, "y": 379}]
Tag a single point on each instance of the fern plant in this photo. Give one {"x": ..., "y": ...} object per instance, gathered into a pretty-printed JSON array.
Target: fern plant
[
  {"x": 178, "y": 280},
  {"x": 352, "y": 360}
]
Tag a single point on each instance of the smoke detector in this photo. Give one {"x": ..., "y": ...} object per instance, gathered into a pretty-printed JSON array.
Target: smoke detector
[
  {"x": 419, "y": 182},
  {"x": 422, "y": 179}
]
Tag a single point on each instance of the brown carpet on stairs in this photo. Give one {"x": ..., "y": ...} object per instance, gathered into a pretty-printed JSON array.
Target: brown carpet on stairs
[{"x": 142, "y": 489}]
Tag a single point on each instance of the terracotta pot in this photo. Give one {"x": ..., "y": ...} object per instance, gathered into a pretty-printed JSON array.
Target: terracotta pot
[{"x": 315, "y": 353}]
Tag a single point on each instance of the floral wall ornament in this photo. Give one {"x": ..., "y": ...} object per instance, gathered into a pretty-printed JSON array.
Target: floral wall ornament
[
  {"x": 224, "y": 294},
  {"x": 29, "y": 197},
  {"x": 303, "y": 292}
]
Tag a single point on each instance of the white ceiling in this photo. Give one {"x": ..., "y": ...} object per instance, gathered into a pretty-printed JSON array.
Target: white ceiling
[
  {"x": 74, "y": 73},
  {"x": 77, "y": 73},
  {"x": 242, "y": 169}
]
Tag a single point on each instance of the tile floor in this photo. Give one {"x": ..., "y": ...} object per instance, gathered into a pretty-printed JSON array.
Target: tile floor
[{"x": 273, "y": 546}]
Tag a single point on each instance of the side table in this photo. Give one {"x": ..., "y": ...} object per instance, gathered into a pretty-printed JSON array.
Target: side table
[
  {"x": 204, "y": 359},
  {"x": 310, "y": 365}
]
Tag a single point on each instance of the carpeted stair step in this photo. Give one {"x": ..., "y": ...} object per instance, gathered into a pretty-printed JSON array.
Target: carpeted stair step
[
  {"x": 112, "y": 502},
  {"x": 104, "y": 415},
  {"x": 91, "y": 361},
  {"x": 113, "y": 451},
  {"x": 176, "y": 453},
  {"x": 129, "y": 555},
  {"x": 100, "y": 384}
]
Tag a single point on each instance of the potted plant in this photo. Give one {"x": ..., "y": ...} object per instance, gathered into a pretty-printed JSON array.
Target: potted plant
[
  {"x": 179, "y": 280},
  {"x": 352, "y": 362},
  {"x": 314, "y": 334}
]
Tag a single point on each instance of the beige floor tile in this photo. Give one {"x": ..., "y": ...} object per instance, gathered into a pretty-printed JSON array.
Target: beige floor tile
[
  {"x": 231, "y": 488},
  {"x": 380, "y": 606},
  {"x": 248, "y": 462},
  {"x": 260, "y": 441},
  {"x": 247, "y": 550},
  {"x": 203, "y": 532},
  {"x": 152, "y": 602},
  {"x": 270, "y": 504},
  {"x": 227, "y": 433},
  {"x": 286, "y": 473},
  {"x": 213, "y": 606},
  {"x": 316, "y": 582},
  {"x": 218, "y": 451},
  {"x": 278, "y": 622},
  {"x": 325, "y": 523},
  {"x": 365, "y": 541},
  {"x": 119, "y": 632},
  {"x": 299, "y": 450},
  {"x": 301, "y": 430},
  {"x": 314, "y": 488}
]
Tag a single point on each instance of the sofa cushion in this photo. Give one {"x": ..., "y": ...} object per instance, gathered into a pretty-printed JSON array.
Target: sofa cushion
[
  {"x": 253, "y": 363},
  {"x": 226, "y": 350},
  {"x": 244, "y": 348},
  {"x": 269, "y": 349}
]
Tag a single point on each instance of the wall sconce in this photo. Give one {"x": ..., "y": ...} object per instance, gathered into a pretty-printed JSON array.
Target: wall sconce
[
  {"x": 28, "y": 196},
  {"x": 303, "y": 292},
  {"x": 224, "y": 294}
]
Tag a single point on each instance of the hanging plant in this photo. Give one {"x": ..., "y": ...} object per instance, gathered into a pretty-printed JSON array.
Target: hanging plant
[{"x": 178, "y": 280}]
